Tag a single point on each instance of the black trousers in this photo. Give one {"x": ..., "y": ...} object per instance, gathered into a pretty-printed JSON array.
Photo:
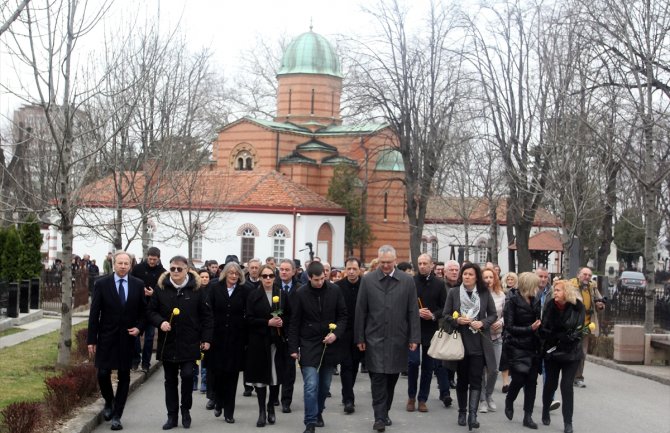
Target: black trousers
[
  {"x": 287, "y": 385},
  {"x": 569, "y": 371},
  {"x": 348, "y": 373},
  {"x": 469, "y": 370},
  {"x": 105, "y": 384},
  {"x": 383, "y": 387},
  {"x": 173, "y": 371},
  {"x": 527, "y": 381},
  {"x": 225, "y": 388}
]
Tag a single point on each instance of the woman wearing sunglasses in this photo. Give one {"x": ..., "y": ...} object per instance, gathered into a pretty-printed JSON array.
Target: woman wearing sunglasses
[
  {"x": 180, "y": 311},
  {"x": 267, "y": 352}
]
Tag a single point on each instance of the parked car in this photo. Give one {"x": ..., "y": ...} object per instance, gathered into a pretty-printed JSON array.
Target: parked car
[{"x": 631, "y": 280}]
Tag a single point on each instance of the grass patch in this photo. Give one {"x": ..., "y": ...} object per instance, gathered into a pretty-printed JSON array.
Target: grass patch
[
  {"x": 10, "y": 331},
  {"x": 25, "y": 366}
]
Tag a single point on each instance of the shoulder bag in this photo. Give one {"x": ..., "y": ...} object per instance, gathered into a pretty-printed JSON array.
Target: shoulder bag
[{"x": 446, "y": 346}]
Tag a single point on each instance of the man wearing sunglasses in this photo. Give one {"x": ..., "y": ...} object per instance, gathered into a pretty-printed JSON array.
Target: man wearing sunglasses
[{"x": 180, "y": 311}]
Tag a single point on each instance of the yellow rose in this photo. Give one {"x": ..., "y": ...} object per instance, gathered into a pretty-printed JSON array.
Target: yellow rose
[
  {"x": 332, "y": 326},
  {"x": 455, "y": 315},
  {"x": 275, "y": 299},
  {"x": 592, "y": 326},
  {"x": 175, "y": 311}
]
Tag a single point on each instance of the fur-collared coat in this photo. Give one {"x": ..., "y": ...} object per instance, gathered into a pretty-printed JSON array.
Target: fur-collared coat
[{"x": 192, "y": 326}]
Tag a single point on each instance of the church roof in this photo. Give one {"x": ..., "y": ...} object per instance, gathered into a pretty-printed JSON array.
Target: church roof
[
  {"x": 316, "y": 145},
  {"x": 454, "y": 210},
  {"x": 310, "y": 53},
  {"x": 331, "y": 130},
  {"x": 297, "y": 158},
  {"x": 546, "y": 240},
  {"x": 216, "y": 189},
  {"x": 390, "y": 160}
]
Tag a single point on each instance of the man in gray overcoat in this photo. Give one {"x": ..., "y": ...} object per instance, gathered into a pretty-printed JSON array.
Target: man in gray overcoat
[{"x": 387, "y": 322}]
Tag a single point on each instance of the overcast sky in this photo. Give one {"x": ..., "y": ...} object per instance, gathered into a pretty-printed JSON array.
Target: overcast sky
[{"x": 227, "y": 27}]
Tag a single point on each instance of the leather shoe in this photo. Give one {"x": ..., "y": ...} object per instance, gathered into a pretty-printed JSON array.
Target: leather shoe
[
  {"x": 230, "y": 420},
  {"x": 349, "y": 408},
  {"x": 217, "y": 411},
  {"x": 285, "y": 408},
  {"x": 528, "y": 421},
  {"x": 411, "y": 405},
  {"x": 319, "y": 421},
  {"x": 546, "y": 418},
  {"x": 509, "y": 411},
  {"x": 387, "y": 421},
  {"x": 309, "y": 428},
  {"x": 379, "y": 425},
  {"x": 116, "y": 424},
  {"x": 108, "y": 411},
  {"x": 446, "y": 400},
  {"x": 423, "y": 407},
  {"x": 210, "y": 405},
  {"x": 461, "y": 418},
  {"x": 247, "y": 393},
  {"x": 567, "y": 428},
  {"x": 186, "y": 419}
]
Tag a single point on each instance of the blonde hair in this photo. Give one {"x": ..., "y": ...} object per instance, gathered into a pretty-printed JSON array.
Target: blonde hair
[
  {"x": 528, "y": 283},
  {"x": 513, "y": 275},
  {"x": 569, "y": 290}
]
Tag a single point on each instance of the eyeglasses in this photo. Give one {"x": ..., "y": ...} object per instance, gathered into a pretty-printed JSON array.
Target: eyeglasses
[
  {"x": 267, "y": 276},
  {"x": 176, "y": 269}
]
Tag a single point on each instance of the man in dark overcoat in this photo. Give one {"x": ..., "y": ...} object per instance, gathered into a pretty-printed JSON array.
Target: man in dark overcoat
[
  {"x": 387, "y": 323},
  {"x": 117, "y": 316}
]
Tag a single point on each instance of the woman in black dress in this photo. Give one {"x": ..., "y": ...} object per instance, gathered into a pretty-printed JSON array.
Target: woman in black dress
[{"x": 267, "y": 352}]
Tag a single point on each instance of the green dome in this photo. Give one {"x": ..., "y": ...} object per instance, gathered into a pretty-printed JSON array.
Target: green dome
[
  {"x": 310, "y": 53},
  {"x": 390, "y": 160}
]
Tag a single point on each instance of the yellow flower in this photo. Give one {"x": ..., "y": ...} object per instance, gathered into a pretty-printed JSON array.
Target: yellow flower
[
  {"x": 175, "y": 311},
  {"x": 275, "y": 299},
  {"x": 332, "y": 326},
  {"x": 592, "y": 326},
  {"x": 455, "y": 315}
]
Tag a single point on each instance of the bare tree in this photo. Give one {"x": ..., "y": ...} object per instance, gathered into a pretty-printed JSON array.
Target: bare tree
[
  {"x": 413, "y": 81},
  {"x": 14, "y": 13},
  {"x": 47, "y": 44},
  {"x": 633, "y": 38}
]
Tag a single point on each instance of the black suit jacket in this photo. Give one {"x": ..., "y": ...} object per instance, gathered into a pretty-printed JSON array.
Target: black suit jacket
[{"x": 109, "y": 321}]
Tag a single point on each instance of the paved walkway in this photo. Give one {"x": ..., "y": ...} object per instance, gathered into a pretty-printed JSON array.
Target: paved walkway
[
  {"x": 39, "y": 327},
  {"x": 618, "y": 398}
]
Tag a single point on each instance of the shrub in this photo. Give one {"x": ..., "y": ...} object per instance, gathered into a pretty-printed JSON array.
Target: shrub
[
  {"x": 21, "y": 417},
  {"x": 61, "y": 394},
  {"x": 82, "y": 346},
  {"x": 86, "y": 378}
]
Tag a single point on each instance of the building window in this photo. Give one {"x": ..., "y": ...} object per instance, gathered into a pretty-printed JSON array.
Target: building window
[
  {"x": 481, "y": 252},
  {"x": 244, "y": 161},
  {"x": 248, "y": 245},
  {"x": 424, "y": 246},
  {"x": 197, "y": 245},
  {"x": 434, "y": 249},
  {"x": 279, "y": 244}
]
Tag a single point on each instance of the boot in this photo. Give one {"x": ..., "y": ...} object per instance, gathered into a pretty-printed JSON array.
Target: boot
[
  {"x": 262, "y": 417},
  {"x": 528, "y": 420},
  {"x": 271, "y": 414},
  {"x": 546, "y": 418},
  {"x": 186, "y": 418},
  {"x": 462, "y": 398},
  {"x": 309, "y": 428},
  {"x": 567, "y": 427},
  {"x": 472, "y": 409},
  {"x": 170, "y": 423},
  {"x": 509, "y": 408},
  {"x": 461, "y": 418}
]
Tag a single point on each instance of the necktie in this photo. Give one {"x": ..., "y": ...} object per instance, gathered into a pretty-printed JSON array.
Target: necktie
[
  {"x": 286, "y": 288},
  {"x": 122, "y": 293}
]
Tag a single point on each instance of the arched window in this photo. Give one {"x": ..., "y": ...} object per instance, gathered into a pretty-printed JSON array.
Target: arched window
[
  {"x": 244, "y": 160},
  {"x": 279, "y": 244},
  {"x": 481, "y": 251},
  {"x": 424, "y": 245},
  {"x": 197, "y": 245},
  {"x": 248, "y": 245},
  {"x": 434, "y": 249}
]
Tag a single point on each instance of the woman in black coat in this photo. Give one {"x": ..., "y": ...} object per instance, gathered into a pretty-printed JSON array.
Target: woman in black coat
[
  {"x": 476, "y": 313},
  {"x": 228, "y": 299},
  {"x": 267, "y": 350},
  {"x": 561, "y": 333},
  {"x": 522, "y": 320}
]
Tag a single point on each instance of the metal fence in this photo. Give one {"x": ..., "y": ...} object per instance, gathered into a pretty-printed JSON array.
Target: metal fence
[
  {"x": 51, "y": 289},
  {"x": 627, "y": 307}
]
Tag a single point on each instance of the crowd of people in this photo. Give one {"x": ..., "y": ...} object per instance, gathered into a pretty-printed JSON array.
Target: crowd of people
[{"x": 262, "y": 319}]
